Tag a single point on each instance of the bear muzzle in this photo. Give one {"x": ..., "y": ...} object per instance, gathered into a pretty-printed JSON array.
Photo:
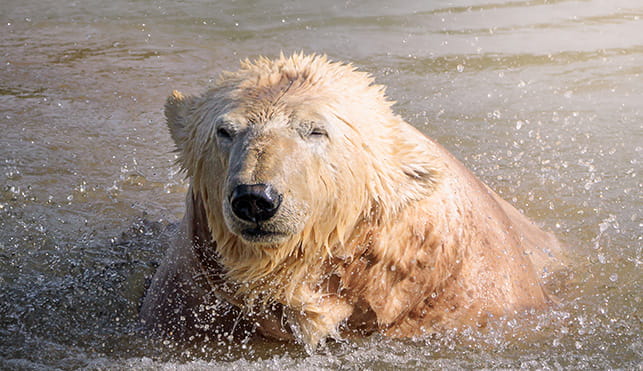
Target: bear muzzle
[{"x": 254, "y": 207}]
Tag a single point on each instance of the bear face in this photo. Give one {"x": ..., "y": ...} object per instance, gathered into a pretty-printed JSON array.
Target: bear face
[{"x": 267, "y": 166}]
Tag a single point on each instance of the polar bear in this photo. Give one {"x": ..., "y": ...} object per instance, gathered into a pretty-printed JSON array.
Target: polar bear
[{"x": 314, "y": 211}]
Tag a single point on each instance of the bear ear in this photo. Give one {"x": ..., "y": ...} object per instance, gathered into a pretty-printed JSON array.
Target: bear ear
[
  {"x": 419, "y": 168},
  {"x": 177, "y": 110}
]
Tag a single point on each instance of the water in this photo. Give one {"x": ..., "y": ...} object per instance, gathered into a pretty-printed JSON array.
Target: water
[{"x": 542, "y": 99}]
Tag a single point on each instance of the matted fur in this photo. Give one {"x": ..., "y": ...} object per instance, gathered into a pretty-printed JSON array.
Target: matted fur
[{"x": 381, "y": 229}]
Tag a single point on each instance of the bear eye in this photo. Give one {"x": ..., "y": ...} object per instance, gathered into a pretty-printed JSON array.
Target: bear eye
[
  {"x": 224, "y": 133},
  {"x": 318, "y": 132},
  {"x": 310, "y": 130}
]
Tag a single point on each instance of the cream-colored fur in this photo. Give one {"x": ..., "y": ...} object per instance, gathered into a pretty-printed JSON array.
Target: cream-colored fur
[{"x": 380, "y": 228}]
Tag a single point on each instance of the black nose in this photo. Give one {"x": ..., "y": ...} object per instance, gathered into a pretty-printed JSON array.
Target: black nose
[{"x": 254, "y": 202}]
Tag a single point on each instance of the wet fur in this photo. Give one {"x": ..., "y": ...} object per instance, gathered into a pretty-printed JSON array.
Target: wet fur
[{"x": 386, "y": 230}]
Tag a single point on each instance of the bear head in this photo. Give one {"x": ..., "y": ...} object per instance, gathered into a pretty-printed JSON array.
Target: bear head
[{"x": 290, "y": 155}]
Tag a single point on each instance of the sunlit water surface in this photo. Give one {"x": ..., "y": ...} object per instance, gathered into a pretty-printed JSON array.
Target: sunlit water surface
[{"x": 542, "y": 99}]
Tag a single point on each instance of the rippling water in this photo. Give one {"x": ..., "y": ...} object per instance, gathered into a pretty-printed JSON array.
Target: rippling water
[{"x": 543, "y": 99}]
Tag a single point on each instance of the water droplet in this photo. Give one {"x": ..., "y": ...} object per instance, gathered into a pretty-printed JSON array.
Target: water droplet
[
  {"x": 460, "y": 68},
  {"x": 614, "y": 277},
  {"x": 601, "y": 258}
]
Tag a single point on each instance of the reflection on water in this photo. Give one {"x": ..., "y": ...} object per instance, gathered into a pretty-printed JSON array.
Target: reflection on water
[{"x": 541, "y": 98}]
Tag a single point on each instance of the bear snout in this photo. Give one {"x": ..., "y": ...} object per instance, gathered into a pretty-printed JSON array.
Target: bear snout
[{"x": 255, "y": 202}]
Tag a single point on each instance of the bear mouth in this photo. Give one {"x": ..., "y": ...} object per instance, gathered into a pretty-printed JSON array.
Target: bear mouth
[{"x": 260, "y": 235}]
